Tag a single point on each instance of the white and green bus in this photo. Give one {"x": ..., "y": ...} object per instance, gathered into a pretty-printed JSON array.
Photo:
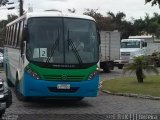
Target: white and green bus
[{"x": 41, "y": 58}]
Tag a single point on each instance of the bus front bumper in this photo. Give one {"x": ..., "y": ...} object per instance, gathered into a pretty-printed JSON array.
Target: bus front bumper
[{"x": 31, "y": 87}]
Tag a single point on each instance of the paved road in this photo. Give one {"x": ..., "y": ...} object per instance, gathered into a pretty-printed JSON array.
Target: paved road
[{"x": 89, "y": 108}]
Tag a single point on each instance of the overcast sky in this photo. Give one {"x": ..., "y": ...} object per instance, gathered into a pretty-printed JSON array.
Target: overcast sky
[{"x": 132, "y": 8}]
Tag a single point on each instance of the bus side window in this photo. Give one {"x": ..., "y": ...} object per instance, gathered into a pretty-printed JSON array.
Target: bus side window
[
  {"x": 16, "y": 37},
  {"x": 13, "y": 35},
  {"x": 10, "y": 38},
  {"x": 6, "y": 39},
  {"x": 20, "y": 33}
]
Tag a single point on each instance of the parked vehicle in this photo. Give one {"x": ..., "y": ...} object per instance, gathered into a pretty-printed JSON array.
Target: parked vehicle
[
  {"x": 43, "y": 61},
  {"x": 5, "y": 97},
  {"x": 110, "y": 49},
  {"x": 131, "y": 48},
  {"x": 136, "y": 47},
  {"x": 1, "y": 59},
  {"x": 1, "y": 55}
]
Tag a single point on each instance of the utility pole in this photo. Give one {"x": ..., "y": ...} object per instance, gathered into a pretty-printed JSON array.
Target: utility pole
[{"x": 20, "y": 7}]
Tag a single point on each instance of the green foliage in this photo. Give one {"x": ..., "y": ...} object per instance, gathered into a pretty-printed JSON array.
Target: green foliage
[
  {"x": 72, "y": 10},
  {"x": 147, "y": 26},
  {"x": 129, "y": 85},
  {"x": 153, "y": 2},
  {"x": 139, "y": 65},
  {"x": 150, "y": 25},
  {"x": 112, "y": 22},
  {"x": 3, "y": 2},
  {"x": 103, "y": 23}
]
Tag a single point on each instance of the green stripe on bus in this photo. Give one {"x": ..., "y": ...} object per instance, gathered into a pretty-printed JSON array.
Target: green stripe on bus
[{"x": 56, "y": 74}]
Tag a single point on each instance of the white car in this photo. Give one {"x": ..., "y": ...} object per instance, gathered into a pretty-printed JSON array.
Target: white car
[{"x": 5, "y": 97}]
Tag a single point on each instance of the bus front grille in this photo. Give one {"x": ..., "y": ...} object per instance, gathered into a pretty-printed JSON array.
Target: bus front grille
[{"x": 63, "y": 78}]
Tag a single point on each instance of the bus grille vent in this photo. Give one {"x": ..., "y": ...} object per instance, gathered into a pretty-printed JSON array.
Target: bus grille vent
[{"x": 63, "y": 78}]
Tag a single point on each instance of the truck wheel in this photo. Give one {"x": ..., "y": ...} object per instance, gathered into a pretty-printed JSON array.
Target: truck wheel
[
  {"x": 120, "y": 67},
  {"x": 106, "y": 70}
]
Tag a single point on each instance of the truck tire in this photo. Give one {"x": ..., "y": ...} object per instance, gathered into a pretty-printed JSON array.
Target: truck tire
[
  {"x": 120, "y": 67},
  {"x": 106, "y": 70}
]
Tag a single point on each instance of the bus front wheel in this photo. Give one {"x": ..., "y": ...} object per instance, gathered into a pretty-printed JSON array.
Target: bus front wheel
[{"x": 18, "y": 93}]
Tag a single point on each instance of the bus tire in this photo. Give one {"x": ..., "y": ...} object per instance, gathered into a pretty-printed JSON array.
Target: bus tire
[
  {"x": 76, "y": 99},
  {"x": 79, "y": 98},
  {"x": 120, "y": 67},
  {"x": 17, "y": 92}
]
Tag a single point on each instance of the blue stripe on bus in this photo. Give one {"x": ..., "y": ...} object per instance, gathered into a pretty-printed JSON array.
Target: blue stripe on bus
[{"x": 41, "y": 88}]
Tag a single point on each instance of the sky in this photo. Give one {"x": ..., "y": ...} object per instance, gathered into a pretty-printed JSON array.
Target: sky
[{"x": 132, "y": 8}]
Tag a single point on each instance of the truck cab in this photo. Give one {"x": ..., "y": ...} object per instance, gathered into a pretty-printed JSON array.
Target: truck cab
[{"x": 131, "y": 48}]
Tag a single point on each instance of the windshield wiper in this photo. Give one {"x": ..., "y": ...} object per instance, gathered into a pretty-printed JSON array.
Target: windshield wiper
[
  {"x": 74, "y": 49},
  {"x": 53, "y": 48}
]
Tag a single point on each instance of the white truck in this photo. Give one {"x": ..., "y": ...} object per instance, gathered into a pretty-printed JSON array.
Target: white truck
[
  {"x": 131, "y": 48},
  {"x": 135, "y": 47},
  {"x": 110, "y": 49}
]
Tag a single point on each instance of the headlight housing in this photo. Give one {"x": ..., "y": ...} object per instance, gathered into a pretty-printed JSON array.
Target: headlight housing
[
  {"x": 93, "y": 74},
  {"x": 32, "y": 73}
]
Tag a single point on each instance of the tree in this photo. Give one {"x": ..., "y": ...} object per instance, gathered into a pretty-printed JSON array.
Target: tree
[
  {"x": 117, "y": 19},
  {"x": 73, "y": 10},
  {"x": 119, "y": 23},
  {"x": 153, "y": 2},
  {"x": 139, "y": 65},
  {"x": 103, "y": 23},
  {"x": 3, "y": 2}
]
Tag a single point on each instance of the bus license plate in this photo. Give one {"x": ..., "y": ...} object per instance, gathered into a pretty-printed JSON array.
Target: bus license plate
[{"x": 63, "y": 86}]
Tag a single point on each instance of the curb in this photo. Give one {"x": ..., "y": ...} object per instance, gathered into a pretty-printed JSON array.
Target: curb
[{"x": 132, "y": 95}]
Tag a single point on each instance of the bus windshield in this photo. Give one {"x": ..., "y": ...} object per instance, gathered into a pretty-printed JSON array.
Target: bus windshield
[
  {"x": 62, "y": 41},
  {"x": 130, "y": 44}
]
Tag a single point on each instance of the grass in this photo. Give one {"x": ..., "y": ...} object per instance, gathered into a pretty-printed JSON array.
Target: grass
[{"x": 151, "y": 85}]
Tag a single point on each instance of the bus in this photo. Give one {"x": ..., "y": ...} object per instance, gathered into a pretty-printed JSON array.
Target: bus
[{"x": 42, "y": 60}]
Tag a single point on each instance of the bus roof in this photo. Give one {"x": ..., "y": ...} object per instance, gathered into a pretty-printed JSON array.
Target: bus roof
[
  {"x": 127, "y": 40},
  {"x": 51, "y": 14}
]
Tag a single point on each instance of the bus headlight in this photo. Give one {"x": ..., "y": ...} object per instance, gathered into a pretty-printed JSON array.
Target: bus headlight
[
  {"x": 32, "y": 73},
  {"x": 92, "y": 75}
]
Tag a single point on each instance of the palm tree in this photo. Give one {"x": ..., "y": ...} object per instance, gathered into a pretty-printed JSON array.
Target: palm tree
[{"x": 139, "y": 65}]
